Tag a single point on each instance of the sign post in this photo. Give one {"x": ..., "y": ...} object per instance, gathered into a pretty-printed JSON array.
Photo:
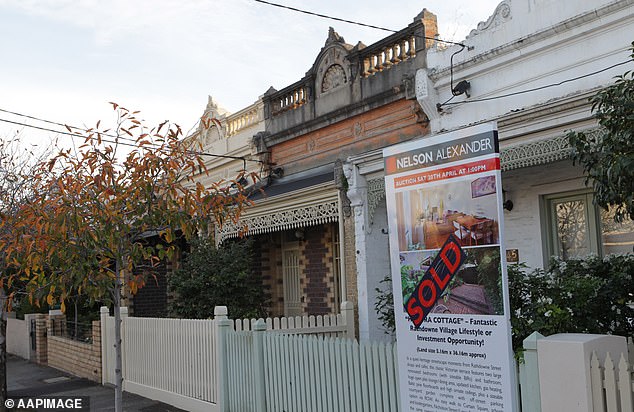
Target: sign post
[{"x": 448, "y": 263}]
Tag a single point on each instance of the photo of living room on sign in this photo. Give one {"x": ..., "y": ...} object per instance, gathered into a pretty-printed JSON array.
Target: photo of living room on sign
[{"x": 465, "y": 208}]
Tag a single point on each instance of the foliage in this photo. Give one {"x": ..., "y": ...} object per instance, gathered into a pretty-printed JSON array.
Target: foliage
[
  {"x": 91, "y": 210},
  {"x": 384, "y": 305},
  {"x": 588, "y": 295},
  {"x": 608, "y": 159},
  {"x": 220, "y": 276},
  {"x": 83, "y": 228},
  {"x": 17, "y": 163}
]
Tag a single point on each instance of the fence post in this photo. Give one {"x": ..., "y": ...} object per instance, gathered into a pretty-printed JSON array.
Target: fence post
[
  {"x": 529, "y": 375},
  {"x": 347, "y": 312},
  {"x": 103, "y": 314},
  {"x": 258, "y": 359},
  {"x": 564, "y": 368},
  {"x": 223, "y": 326}
]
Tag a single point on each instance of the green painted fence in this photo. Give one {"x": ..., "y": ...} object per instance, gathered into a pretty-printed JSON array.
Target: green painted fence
[{"x": 271, "y": 371}]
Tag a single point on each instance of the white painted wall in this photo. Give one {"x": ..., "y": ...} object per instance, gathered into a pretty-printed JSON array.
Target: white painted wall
[
  {"x": 525, "y": 187},
  {"x": 530, "y": 44},
  {"x": 18, "y": 342},
  {"x": 378, "y": 264}
]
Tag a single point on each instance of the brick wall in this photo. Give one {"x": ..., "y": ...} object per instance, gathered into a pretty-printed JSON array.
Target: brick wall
[
  {"x": 270, "y": 263},
  {"x": 77, "y": 358},
  {"x": 41, "y": 347},
  {"x": 317, "y": 270}
]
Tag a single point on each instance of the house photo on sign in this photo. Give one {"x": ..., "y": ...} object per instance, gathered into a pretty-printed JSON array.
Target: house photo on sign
[{"x": 444, "y": 201}]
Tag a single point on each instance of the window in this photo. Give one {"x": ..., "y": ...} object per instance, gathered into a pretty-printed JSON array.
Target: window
[{"x": 575, "y": 228}]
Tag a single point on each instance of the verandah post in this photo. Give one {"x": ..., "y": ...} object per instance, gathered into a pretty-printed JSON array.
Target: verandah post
[
  {"x": 258, "y": 359},
  {"x": 223, "y": 326}
]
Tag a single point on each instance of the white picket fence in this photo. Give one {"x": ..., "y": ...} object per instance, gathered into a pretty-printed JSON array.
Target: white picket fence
[
  {"x": 186, "y": 363},
  {"x": 308, "y": 373},
  {"x": 612, "y": 384},
  {"x": 339, "y": 325}
]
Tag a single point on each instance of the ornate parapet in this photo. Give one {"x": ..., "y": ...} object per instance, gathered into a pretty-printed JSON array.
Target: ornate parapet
[
  {"x": 289, "y": 98},
  {"x": 245, "y": 118},
  {"x": 501, "y": 14}
]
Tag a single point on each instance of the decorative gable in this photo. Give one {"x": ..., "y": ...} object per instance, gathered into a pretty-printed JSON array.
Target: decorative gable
[{"x": 332, "y": 69}]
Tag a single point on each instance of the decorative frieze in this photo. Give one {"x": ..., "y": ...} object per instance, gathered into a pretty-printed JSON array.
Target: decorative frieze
[
  {"x": 281, "y": 220},
  {"x": 535, "y": 153},
  {"x": 376, "y": 193}
]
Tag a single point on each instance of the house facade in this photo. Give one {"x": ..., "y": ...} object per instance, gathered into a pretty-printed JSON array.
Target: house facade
[
  {"x": 531, "y": 67},
  {"x": 353, "y": 99},
  {"x": 320, "y": 220}
]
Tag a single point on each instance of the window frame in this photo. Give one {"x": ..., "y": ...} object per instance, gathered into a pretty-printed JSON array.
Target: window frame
[{"x": 550, "y": 243}]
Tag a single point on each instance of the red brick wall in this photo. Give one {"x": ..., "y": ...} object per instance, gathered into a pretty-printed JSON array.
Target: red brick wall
[{"x": 318, "y": 270}]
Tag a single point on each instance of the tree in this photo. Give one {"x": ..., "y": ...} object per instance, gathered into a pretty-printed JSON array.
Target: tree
[
  {"x": 213, "y": 276},
  {"x": 85, "y": 228},
  {"x": 16, "y": 170},
  {"x": 608, "y": 158}
]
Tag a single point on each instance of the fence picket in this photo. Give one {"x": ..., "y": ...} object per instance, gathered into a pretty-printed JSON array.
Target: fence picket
[
  {"x": 319, "y": 347},
  {"x": 274, "y": 369},
  {"x": 392, "y": 371},
  {"x": 365, "y": 372},
  {"x": 356, "y": 377},
  {"x": 384, "y": 375},
  {"x": 610, "y": 384},
  {"x": 625, "y": 384},
  {"x": 596, "y": 377},
  {"x": 375, "y": 385}
]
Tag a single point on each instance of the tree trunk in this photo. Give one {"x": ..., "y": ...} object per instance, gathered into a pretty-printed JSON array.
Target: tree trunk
[
  {"x": 118, "y": 390},
  {"x": 3, "y": 351}
]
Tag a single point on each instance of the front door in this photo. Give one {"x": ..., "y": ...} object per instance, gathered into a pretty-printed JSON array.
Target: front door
[{"x": 291, "y": 280}]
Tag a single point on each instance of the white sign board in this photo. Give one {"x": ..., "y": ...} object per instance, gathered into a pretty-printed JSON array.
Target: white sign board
[{"x": 444, "y": 200}]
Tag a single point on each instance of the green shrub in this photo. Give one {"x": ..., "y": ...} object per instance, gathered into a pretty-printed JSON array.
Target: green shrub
[
  {"x": 221, "y": 276},
  {"x": 588, "y": 295},
  {"x": 591, "y": 295}
]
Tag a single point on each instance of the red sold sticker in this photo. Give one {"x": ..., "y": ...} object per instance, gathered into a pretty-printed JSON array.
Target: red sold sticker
[{"x": 435, "y": 281}]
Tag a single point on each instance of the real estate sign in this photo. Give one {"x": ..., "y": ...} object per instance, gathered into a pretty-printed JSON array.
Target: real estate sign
[{"x": 444, "y": 198}]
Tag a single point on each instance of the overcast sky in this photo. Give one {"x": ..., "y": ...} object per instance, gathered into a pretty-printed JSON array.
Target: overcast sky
[{"x": 64, "y": 60}]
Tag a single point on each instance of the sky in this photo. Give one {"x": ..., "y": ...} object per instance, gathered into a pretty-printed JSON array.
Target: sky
[{"x": 64, "y": 60}]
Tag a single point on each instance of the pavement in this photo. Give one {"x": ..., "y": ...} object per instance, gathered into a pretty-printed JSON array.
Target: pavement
[{"x": 29, "y": 380}]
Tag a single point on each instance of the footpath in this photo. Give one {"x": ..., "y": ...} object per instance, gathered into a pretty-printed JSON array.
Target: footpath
[{"x": 29, "y": 380}]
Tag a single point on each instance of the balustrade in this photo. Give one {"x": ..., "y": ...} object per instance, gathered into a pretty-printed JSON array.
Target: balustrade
[
  {"x": 242, "y": 120},
  {"x": 290, "y": 100},
  {"x": 378, "y": 59}
]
